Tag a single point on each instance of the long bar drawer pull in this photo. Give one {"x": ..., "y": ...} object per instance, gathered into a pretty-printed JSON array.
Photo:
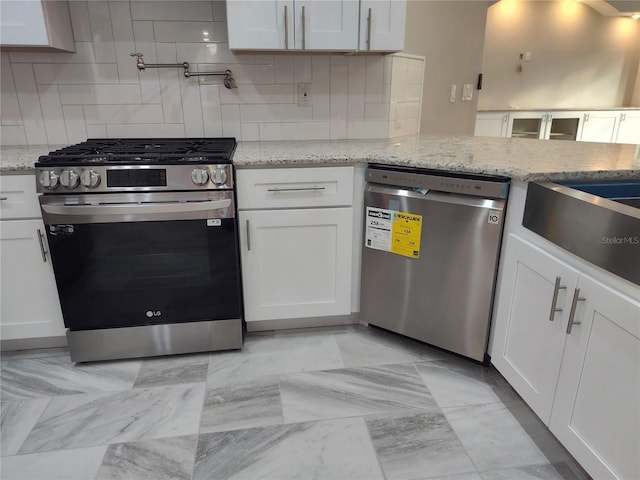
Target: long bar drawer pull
[
  {"x": 248, "y": 236},
  {"x": 4, "y": 198},
  {"x": 296, "y": 189},
  {"x": 576, "y": 298},
  {"x": 554, "y": 300},
  {"x": 286, "y": 28},
  {"x": 42, "y": 249}
]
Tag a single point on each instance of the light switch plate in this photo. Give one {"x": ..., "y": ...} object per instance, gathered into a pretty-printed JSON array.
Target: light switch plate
[
  {"x": 467, "y": 92},
  {"x": 452, "y": 93}
]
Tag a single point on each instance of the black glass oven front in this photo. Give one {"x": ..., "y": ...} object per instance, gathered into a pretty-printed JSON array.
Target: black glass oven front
[{"x": 122, "y": 274}]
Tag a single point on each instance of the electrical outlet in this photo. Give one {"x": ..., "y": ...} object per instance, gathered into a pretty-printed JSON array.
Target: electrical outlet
[
  {"x": 304, "y": 94},
  {"x": 452, "y": 93},
  {"x": 467, "y": 92}
]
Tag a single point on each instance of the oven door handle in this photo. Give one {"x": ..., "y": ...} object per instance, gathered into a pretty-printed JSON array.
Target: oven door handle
[{"x": 131, "y": 212}]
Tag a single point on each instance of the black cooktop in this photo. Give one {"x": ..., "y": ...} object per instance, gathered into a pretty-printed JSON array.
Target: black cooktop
[{"x": 143, "y": 151}]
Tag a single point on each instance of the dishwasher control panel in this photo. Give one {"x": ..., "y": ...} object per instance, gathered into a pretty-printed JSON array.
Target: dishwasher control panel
[{"x": 452, "y": 182}]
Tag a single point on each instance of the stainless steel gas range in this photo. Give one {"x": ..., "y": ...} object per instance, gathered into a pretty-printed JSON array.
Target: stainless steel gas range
[{"x": 144, "y": 245}]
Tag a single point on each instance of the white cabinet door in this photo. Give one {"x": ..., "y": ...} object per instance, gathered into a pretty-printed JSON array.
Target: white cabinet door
[
  {"x": 326, "y": 24},
  {"x": 36, "y": 23},
  {"x": 382, "y": 25},
  {"x": 528, "y": 346},
  {"x": 30, "y": 306},
  {"x": 599, "y": 126},
  {"x": 260, "y": 24},
  {"x": 296, "y": 263},
  {"x": 629, "y": 128},
  {"x": 596, "y": 414},
  {"x": 527, "y": 125},
  {"x": 491, "y": 124}
]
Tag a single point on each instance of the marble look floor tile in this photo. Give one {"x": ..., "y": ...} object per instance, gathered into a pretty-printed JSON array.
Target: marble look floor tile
[
  {"x": 242, "y": 404},
  {"x": 454, "y": 385},
  {"x": 417, "y": 445},
  {"x": 172, "y": 370},
  {"x": 332, "y": 449},
  {"x": 270, "y": 355},
  {"x": 34, "y": 353},
  {"x": 58, "y": 375},
  {"x": 369, "y": 346},
  {"x": 353, "y": 391},
  {"x": 75, "y": 464},
  {"x": 17, "y": 419},
  {"x": 160, "y": 459},
  {"x": 492, "y": 437},
  {"x": 101, "y": 418},
  {"x": 460, "y": 476},
  {"x": 528, "y": 472}
]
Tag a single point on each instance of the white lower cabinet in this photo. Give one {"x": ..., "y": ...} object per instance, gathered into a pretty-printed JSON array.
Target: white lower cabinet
[
  {"x": 30, "y": 306},
  {"x": 629, "y": 128},
  {"x": 296, "y": 263},
  {"x": 583, "y": 381},
  {"x": 296, "y": 243},
  {"x": 489, "y": 124},
  {"x": 599, "y": 126}
]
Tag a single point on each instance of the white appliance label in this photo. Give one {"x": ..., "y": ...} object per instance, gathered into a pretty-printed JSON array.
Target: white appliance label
[
  {"x": 378, "y": 229},
  {"x": 494, "y": 217},
  {"x": 214, "y": 222}
]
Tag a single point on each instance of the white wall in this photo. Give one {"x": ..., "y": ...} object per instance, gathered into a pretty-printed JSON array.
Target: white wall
[
  {"x": 579, "y": 59},
  {"x": 450, "y": 35},
  {"x": 60, "y": 98}
]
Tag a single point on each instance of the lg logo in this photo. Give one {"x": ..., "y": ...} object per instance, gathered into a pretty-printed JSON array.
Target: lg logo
[{"x": 153, "y": 313}]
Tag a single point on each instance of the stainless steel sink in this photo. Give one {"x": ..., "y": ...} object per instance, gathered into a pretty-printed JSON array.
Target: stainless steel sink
[{"x": 579, "y": 217}]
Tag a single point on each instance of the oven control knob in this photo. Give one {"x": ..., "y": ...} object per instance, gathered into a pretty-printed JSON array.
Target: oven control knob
[
  {"x": 49, "y": 179},
  {"x": 219, "y": 176},
  {"x": 200, "y": 176},
  {"x": 90, "y": 178},
  {"x": 69, "y": 179}
]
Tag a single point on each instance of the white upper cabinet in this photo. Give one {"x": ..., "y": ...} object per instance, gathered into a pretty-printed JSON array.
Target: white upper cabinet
[
  {"x": 260, "y": 24},
  {"x": 382, "y": 25},
  {"x": 326, "y": 24},
  {"x": 35, "y": 23},
  {"x": 316, "y": 25}
]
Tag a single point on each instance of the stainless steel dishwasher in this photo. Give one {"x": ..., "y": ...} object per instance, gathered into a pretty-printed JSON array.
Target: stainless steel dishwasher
[{"x": 430, "y": 256}]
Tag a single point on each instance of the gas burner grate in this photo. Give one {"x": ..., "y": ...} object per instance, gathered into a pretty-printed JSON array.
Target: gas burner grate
[{"x": 144, "y": 151}]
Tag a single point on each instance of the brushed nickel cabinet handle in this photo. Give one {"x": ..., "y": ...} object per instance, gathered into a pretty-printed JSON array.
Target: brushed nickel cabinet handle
[
  {"x": 554, "y": 300},
  {"x": 295, "y": 189},
  {"x": 4, "y": 198},
  {"x": 286, "y": 27},
  {"x": 248, "y": 236},
  {"x": 42, "y": 249},
  {"x": 576, "y": 298},
  {"x": 304, "y": 30},
  {"x": 369, "y": 31}
]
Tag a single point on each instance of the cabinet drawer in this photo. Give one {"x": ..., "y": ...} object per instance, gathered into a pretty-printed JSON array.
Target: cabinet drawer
[
  {"x": 19, "y": 198},
  {"x": 295, "y": 187}
]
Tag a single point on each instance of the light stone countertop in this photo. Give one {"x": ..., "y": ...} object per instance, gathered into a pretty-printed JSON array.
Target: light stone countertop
[{"x": 518, "y": 158}]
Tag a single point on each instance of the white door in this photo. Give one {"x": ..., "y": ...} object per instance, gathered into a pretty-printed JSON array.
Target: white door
[
  {"x": 596, "y": 414},
  {"x": 326, "y": 24},
  {"x": 528, "y": 345},
  {"x": 629, "y": 128},
  {"x": 382, "y": 25},
  {"x": 30, "y": 306},
  {"x": 296, "y": 263},
  {"x": 260, "y": 24},
  {"x": 599, "y": 126},
  {"x": 491, "y": 124}
]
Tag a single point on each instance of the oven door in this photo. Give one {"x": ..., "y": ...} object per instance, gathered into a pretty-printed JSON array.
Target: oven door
[{"x": 145, "y": 258}]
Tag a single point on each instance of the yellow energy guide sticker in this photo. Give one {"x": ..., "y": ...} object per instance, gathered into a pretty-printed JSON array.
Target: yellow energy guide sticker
[
  {"x": 405, "y": 234},
  {"x": 395, "y": 232}
]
